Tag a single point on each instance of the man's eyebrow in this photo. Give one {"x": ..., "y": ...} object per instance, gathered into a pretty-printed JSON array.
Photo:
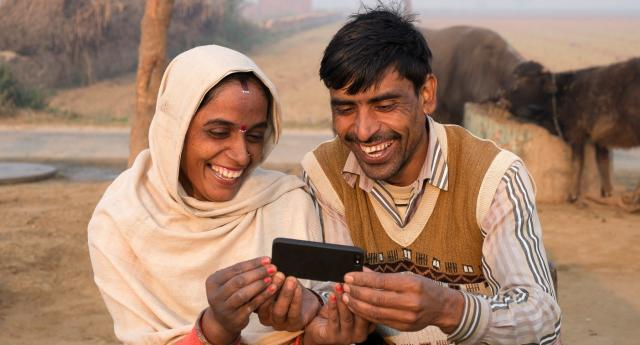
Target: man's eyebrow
[
  {"x": 384, "y": 97},
  {"x": 221, "y": 122},
  {"x": 337, "y": 102},
  {"x": 379, "y": 98}
]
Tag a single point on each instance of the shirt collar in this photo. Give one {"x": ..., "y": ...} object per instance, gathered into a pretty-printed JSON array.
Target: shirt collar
[{"x": 434, "y": 171}]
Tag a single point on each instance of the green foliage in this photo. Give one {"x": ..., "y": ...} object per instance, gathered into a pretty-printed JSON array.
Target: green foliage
[{"x": 13, "y": 94}]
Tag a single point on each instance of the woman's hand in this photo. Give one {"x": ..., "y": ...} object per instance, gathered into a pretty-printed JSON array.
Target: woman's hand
[
  {"x": 294, "y": 307},
  {"x": 336, "y": 324},
  {"x": 233, "y": 294}
]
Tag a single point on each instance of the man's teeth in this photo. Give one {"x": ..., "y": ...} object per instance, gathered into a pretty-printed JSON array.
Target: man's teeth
[
  {"x": 226, "y": 173},
  {"x": 375, "y": 150}
]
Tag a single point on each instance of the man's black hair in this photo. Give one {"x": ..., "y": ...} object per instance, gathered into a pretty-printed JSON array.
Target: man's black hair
[{"x": 369, "y": 44}]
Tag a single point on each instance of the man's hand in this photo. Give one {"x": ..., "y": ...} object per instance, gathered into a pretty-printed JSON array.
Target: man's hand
[
  {"x": 292, "y": 309},
  {"x": 336, "y": 324},
  {"x": 233, "y": 294},
  {"x": 406, "y": 302}
]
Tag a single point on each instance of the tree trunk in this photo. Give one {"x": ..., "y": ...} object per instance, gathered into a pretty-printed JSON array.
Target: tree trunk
[{"x": 151, "y": 64}]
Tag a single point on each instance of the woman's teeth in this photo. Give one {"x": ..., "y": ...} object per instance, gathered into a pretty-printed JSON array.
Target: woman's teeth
[
  {"x": 226, "y": 173},
  {"x": 375, "y": 150}
]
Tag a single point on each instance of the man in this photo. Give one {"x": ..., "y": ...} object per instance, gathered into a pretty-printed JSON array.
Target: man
[{"x": 455, "y": 211}]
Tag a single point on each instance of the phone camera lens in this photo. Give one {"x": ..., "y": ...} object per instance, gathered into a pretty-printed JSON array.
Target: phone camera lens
[{"x": 357, "y": 260}]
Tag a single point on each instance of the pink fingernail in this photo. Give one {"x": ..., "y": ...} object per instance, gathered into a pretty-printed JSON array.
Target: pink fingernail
[
  {"x": 339, "y": 288},
  {"x": 267, "y": 280},
  {"x": 332, "y": 298},
  {"x": 272, "y": 288},
  {"x": 265, "y": 261},
  {"x": 271, "y": 270}
]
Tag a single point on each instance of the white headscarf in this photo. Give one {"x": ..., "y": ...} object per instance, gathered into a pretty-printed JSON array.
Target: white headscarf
[{"x": 152, "y": 246}]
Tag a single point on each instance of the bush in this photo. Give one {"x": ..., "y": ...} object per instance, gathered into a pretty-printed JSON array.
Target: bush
[
  {"x": 63, "y": 43},
  {"x": 13, "y": 94}
]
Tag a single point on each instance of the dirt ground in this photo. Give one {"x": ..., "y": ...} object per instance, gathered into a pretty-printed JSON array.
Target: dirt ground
[
  {"x": 47, "y": 292},
  {"x": 46, "y": 289}
]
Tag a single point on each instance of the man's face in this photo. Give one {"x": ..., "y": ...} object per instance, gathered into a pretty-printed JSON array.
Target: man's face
[{"x": 384, "y": 126}]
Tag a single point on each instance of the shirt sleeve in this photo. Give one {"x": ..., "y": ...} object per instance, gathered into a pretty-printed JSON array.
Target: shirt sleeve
[
  {"x": 523, "y": 308},
  {"x": 193, "y": 338},
  {"x": 332, "y": 221}
]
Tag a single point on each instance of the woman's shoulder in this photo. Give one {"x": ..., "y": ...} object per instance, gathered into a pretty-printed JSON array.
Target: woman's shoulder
[
  {"x": 120, "y": 204},
  {"x": 294, "y": 190}
]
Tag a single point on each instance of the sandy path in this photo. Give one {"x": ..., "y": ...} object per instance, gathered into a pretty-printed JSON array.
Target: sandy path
[
  {"x": 46, "y": 291},
  {"x": 598, "y": 257}
]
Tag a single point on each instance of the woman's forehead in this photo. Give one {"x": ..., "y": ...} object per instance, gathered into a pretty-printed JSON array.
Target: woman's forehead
[
  {"x": 243, "y": 85},
  {"x": 232, "y": 106}
]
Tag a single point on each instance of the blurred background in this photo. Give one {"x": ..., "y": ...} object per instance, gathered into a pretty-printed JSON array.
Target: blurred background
[{"x": 68, "y": 97}]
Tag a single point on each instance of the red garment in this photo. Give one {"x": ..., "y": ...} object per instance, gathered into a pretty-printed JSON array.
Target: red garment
[{"x": 190, "y": 339}]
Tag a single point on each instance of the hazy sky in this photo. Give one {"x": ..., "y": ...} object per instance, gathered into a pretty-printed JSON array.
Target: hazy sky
[{"x": 502, "y": 5}]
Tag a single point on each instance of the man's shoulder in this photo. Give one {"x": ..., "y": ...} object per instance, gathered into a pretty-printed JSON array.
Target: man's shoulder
[
  {"x": 330, "y": 156},
  {"x": 331, "y": 147},
  {"x": 468, "y": 139}
]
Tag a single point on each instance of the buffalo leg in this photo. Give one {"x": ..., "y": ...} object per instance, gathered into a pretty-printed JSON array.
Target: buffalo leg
[
  {"x": 577, "y": 158},
  {"x": 603, "y": 155}
]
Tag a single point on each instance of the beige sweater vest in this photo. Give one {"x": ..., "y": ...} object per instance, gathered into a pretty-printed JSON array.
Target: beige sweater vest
[{"x": 449, "y": 247}]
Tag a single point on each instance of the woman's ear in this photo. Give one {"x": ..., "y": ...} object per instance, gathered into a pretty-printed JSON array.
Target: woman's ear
[
  {"x": 429, "y": 93},
  {"x": 184, "y": 181}
]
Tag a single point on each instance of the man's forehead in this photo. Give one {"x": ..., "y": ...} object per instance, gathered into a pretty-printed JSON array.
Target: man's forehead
[{"x": 390, "y": 80}]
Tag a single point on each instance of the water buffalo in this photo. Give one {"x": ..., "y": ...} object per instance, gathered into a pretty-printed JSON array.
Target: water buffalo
[
  {"x": 472, "y": 64},
  {"x": 598, "y": 104}
]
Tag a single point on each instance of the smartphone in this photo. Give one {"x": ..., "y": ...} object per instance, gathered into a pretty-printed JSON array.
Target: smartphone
[{"x": 315, "y": 260}]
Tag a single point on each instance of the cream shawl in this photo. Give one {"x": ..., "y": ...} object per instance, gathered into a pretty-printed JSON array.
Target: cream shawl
[{"x": 152, "y": 246}]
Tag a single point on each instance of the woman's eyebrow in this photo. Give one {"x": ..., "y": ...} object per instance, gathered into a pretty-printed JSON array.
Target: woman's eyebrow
[
  {"x": 221, "y": 122},
  {"x": 260, "y": 125}
]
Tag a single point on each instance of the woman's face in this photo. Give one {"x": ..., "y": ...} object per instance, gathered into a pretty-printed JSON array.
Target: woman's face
[{"x": 225, "y": 137}]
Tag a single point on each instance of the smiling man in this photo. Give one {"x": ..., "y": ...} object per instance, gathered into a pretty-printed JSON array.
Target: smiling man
[{"x": 448, "y": 220}]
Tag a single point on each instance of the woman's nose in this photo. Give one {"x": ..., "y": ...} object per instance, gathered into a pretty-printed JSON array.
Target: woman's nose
[{"x": 238, "y": 150}]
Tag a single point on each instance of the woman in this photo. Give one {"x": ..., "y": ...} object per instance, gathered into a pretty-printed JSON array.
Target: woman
[{"x": 195, "y": 203}]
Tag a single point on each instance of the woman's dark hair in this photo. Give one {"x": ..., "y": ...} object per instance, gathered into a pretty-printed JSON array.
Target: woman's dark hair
[
  {"x": 369, "y": 44},
  {"x": 241, "y": 77}
]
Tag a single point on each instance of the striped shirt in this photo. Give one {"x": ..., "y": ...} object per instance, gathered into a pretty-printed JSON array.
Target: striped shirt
[
  {"x": 522, "y": 308},
  {"x": 434, "y": 171}
]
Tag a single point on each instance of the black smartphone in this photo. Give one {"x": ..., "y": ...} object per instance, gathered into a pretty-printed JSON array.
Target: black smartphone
[{"x": 315, "y": 260}]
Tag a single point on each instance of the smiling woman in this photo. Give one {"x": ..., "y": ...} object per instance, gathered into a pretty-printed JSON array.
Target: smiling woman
[
  {"x": 180, "y": 242},
  {"x": 225, "y": 138}
]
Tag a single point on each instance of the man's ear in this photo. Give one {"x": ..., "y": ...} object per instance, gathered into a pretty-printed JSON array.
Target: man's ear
[{"x": 429, "y": 93}]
